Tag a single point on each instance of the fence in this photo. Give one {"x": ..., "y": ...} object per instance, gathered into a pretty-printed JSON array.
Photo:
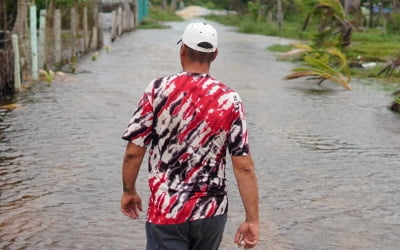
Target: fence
[
  {"x": 124, "y": 18},
  {"x": 57, "y": 38},
  {"x": 69, "y": 33},
  {"x": 141, "y": 6},
  {"x": 61, "y": 36}
]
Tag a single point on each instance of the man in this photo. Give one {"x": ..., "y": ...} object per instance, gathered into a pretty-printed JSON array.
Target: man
[{"x": 189, "y": 120}]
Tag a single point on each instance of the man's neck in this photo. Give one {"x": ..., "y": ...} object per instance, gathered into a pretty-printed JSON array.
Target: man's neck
[{"x": 197, "y": 68}]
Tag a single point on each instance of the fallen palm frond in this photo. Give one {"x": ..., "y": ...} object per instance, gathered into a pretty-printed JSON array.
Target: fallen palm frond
[
  {"x": 10, "y": 106},
  {"x": 300, "y": 49},
  {"x": 321, "y": 64},
  {"x": 388, "y": 69}
]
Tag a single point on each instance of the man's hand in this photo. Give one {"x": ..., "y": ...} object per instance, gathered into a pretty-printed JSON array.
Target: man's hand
[
  {"x": 247, "y": 235},
  {"x": 131, "y": 204}
]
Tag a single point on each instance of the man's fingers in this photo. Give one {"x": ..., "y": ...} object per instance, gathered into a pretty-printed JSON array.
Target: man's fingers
[
  {"x": 238, "y": 237},
  {"x": 135, "y": 212},
  {"x": 127, "y": 212},
  {"x": 250, "y": 243},
  {"x": 139, "y": 206},
  {"x": 243, "y": 240},
  {"x": 130, "y": 204},
  {"x": 131, "y": 212}
]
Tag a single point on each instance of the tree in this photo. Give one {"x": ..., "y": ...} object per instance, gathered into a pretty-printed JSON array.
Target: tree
[
  {"x": 8, "y": 13},
  {"x": 324, "y": 60},
  {"x": 332, "y": 23},
  {"x": 279, "y": 15},
  {"x": 321, "y": 64},
  {"x": 396, "y": 5}
]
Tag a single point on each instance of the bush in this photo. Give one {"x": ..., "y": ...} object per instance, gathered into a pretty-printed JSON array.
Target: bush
[
  {"x": 210, "y": 5},
  {"x": 393, "y": 24}
]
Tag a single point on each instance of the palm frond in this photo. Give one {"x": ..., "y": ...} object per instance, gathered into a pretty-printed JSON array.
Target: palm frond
[
  {"x": 324, "y": 64},
  {"x": 299, "y": 74},
  {"x": 306, "y": 22},
  {"x": 298, "y": 50},
  {"x": 335, "y": 6},
  {"x": 342, "y": 80},
  {"x": 318, "y": 64},
  {"x": 343, "y": 63},
  {"x": 292, "y": 52},
  {"x": 303, "y": 46}
]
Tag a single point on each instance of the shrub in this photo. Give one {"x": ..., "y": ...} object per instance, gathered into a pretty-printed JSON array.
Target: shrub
[{"x": 393, "y": 24}]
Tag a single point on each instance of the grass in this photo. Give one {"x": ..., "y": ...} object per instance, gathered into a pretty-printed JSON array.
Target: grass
[
  {"x": 229, "y": 20},
  {"x": 164, "y": 15},
  {"x": 246, "y": 24},
  {"x": 374, "y": 51},
  {"x": 149, "y": 23},
  {"x": 372, "y": 45},
  {"x": 157, "y": 17},
  {"x": 280, "y": 48}
]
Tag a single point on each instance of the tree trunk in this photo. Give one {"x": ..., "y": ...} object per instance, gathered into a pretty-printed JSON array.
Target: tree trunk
[
  {"x": 379, "y": 14},
  {"x": 395, "y": 5},
  {"x": 346, "y": 7},
  {"x": 279, "y": 15},
  {"x": 6, "y": 53},
  {"x": 371, "y": 14},
  {"x": 3, "y": 17},
  {"x": 164, "y": 4},
  {"x": 356, "y": 4},
  {"x": 173, "y": 5}
]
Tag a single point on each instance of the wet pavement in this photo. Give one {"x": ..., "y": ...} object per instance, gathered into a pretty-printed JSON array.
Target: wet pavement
[{"x": 327, "y": 159}]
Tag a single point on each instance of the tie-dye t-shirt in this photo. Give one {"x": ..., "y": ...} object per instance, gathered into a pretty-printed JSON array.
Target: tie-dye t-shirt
[{"x": 189, "y": 121}]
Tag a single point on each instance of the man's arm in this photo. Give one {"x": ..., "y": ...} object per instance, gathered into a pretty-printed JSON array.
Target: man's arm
[
  {"x": 248, "y": 232},
  {"x": 131, "y": 201}
]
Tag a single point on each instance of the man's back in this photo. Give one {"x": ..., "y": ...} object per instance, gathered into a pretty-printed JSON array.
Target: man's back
[{"x": 194, "y": 119}]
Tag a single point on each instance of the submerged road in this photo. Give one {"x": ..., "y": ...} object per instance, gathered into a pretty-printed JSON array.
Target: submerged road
[{"x": 327, "y": 159}]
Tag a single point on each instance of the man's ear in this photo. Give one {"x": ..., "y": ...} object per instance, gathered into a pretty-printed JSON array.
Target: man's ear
[
  {"x": 214, "y": 55},
  {"x": 183, "y": 50}
]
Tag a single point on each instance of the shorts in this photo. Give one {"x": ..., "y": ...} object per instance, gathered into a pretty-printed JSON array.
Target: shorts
[{"x": 204, "y": 234}]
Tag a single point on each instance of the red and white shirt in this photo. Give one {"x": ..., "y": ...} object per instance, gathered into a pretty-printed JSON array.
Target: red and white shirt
[{"x": 189, "y": 121}]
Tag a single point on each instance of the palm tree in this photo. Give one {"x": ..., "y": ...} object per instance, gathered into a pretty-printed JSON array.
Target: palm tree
[
  {"x": 321, "y": 64},
  {"x": 332, "y": 22}
]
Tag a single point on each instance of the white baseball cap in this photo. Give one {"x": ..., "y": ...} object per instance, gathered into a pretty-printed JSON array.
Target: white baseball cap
[{"x": 201, "y": 37}]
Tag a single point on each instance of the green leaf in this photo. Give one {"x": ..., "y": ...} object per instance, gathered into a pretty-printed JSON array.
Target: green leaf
[
  {"x": 325, "y": 64},
  {"x": 335, "y": 6}
]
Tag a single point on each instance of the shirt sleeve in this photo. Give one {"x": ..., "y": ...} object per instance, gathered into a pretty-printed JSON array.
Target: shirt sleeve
[
  {"x": 140, "y": 127},
  {"x": 238, "y": 144}
]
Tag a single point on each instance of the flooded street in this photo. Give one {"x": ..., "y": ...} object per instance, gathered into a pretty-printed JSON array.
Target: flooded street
[{"x": 327, "y": 159}]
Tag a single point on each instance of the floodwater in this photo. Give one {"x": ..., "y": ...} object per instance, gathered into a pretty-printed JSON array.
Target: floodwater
[{"x": 327, "y": 159}]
